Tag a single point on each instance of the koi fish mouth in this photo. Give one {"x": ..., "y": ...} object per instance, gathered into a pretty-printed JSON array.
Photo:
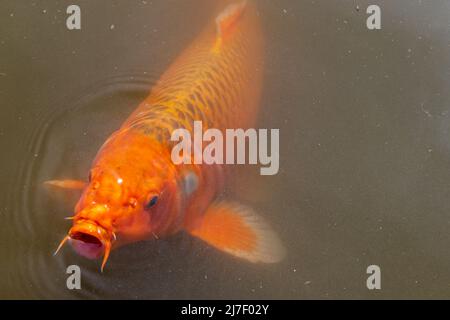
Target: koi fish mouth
[
  {"x": 89, "y": 240},
  {"x": 86, "y": 245}
]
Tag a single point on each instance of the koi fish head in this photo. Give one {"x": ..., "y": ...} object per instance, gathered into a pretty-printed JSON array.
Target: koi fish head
[{"x": 129, "y": 197}]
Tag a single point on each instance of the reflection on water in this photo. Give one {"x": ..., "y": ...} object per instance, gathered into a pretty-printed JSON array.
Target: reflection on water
[{"x": 364, "y": 123}]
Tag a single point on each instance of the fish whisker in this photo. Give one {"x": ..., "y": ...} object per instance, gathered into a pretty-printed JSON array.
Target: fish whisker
[{"x": 61, "y": 244}]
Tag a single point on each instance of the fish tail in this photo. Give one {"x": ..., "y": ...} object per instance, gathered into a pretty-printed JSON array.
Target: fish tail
[{"x": 226, "y": 22}]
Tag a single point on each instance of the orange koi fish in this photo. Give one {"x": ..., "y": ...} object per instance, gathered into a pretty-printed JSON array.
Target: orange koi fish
[{"x": 135, "y": 191}]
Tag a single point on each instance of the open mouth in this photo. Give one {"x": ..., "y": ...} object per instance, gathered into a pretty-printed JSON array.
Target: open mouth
[
  {"x": 86, "y": 245},
  {"x": 89, "y": 240}
]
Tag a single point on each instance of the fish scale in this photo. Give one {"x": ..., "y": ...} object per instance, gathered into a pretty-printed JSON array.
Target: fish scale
[{"x": 206, "y": 85}]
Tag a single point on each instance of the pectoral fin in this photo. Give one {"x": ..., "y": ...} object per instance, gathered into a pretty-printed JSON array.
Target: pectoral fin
[
  {"x": 66, "y": 184},
  {"x": 239, "y": 231}
]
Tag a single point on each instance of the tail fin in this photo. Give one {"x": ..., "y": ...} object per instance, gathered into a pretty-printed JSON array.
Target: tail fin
[
  {"x": 226, "y": 21},
  {"x": 239, "y": 231},
  {"x": 228, "y": 17}
]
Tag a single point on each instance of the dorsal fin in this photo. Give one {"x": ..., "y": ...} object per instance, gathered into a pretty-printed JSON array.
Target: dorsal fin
[{"x": 227, "y": 19}]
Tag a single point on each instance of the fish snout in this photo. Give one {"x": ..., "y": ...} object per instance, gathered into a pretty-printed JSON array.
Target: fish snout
[
  {"x": 88, "y": 238},
  {"x": 91, "y": 240}
]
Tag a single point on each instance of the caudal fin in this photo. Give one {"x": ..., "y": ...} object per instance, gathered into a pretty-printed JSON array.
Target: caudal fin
[
  {"x": 226, "y": 22},
  {"x": 239, "y": 231},
  {"x": 227, "y": 19}
]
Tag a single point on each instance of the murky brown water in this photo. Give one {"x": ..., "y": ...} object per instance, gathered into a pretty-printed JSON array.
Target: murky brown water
[{"x": 364, "y": 118}]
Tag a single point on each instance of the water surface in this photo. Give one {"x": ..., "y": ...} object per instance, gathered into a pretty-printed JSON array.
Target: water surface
[{"x": 365, "y": 149}]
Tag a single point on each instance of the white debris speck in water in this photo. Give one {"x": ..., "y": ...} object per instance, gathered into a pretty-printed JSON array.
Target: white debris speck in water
[
  {"x": 44, "y": 11},
  {"x": 112, "y": 27}
]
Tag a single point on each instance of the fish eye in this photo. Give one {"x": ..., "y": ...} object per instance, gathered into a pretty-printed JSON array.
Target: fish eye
[{"x": 151, "y": 203}]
